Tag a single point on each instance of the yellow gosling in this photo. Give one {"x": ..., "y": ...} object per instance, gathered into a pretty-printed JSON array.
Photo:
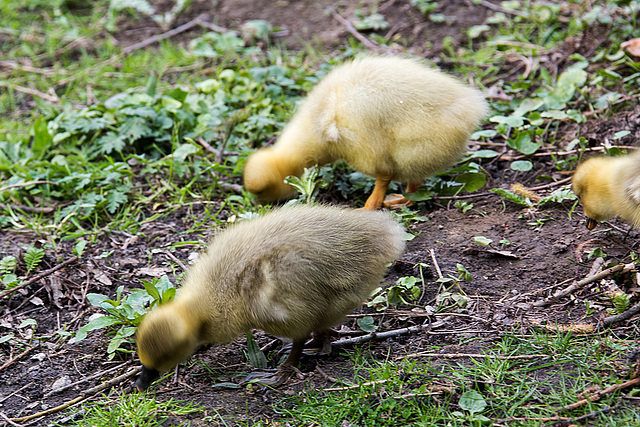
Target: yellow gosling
[
  {"x": 387, "y": 117},
  {"x": 609, "y": 187}
]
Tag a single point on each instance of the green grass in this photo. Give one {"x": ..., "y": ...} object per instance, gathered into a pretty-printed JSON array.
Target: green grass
[
  {"x": 420, "y": 391},
  {"x": 133, "y": 410}
]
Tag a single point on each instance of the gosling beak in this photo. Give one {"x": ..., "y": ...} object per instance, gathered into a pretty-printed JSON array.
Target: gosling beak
[
  {"x": 591, "y": 223},
  {"x": 146, "y": 378}
]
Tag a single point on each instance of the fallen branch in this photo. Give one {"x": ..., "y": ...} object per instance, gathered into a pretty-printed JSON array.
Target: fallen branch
[
  {"x": 175, "y": 259},
  {"x": 471, "y": 355},
  {"x": 26, "y": 184},
  {"x": 435, "y": 263},
  {"x": 18, "y": 357},
  {"x": 7, "y": 419},
  {"x": 497, "y": 8},
  {"x": 216, "y": 28},
  {"x": 351, "y": 29},
  {"x": 574, "y": 287},
  {"x": 28, "y": 69},
  {"x": 551, "y": 184},
  {"x": 608, "y": 321},
  {"x": 30, "y": 209},
  {"x": 565, "y": 420},
  {"x": 32, "y": 92},
  {"x": 353, "y": 387},
  {"x": 15, "y": 392},
  {"x": 38, "y": 276},
  {"x": 373, "y": 336},
  {"x": 601, "y": 393},
  {"x": 83, "y": 396}
]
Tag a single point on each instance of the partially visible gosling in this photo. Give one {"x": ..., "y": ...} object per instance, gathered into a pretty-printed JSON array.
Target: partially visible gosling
[
  {"x": 608, "y": 187},
  {"x": 387, "y": 117},
  {"x": 291, "y": 272}
]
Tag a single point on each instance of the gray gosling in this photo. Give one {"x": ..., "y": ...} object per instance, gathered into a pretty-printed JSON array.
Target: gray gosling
[
  {"x": 292, "y": 272},
  {"x": 387, "y": 117}
]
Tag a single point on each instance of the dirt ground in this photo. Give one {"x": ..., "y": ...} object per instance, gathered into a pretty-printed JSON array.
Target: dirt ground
[{"x": 547, "y": 250}]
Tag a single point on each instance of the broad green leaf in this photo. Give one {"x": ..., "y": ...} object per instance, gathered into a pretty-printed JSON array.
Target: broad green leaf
[
  {"x": 523, "y": 143},
  {"x": 151, "y": 289},
  {"x": 152, "y": 83},
  {"x": 521, "y": 165},
  {"x": 473, "y": 181},
  {"x": 527, "y": 105},
  {"x": 79, "y": 247},
  {"x": 486, "y": 133},
  {"x": 482, "y": 241},
  {"x": 511, "y": 121},
  {"x": 483, "y": 154},
  {"x": 184, "y": 150},
  {"x": 472, "y": 401},
  {"x": 476, "y": 30},
  {"x": 41, "y": 136},
  {"x": 97, "y": 323},
  {"x": 208, "y": 86},
  {"x": 367, "y": 324},
  {"x": 27, "y": 322}
]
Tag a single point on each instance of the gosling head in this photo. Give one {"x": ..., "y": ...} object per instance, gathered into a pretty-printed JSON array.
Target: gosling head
[
  {"x": 264, "y": 176},
  {"x": 164, "y": 339},
  {"x": 593, "y": 188}
]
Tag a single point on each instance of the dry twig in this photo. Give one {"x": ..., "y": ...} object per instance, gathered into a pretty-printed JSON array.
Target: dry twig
[
  {"x": 575, "y": 286},
  {"x": 470, "y": 355},
  {"x": 84, "y": 395},
  {"x": 129, "y": 49},
  {"x": 26, "y": 184},
  {"x": 608, "y": 321},
  {"x": 38, "y": 277},
  {"x": 601, "y": 393},
  {"x": 32, "y": 92},
  {"x": 18, "y": 357},
  {"x": 89, "y": 378},
  {"x": 435, "y": 263},
  {"x": 355, "y": 33},
  {"x": 353, "y": 387},
  {"x": 388, "y": 334}
]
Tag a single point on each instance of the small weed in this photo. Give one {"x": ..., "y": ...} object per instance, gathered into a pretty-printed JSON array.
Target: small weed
[
  {"x": 308, "y": 185},
  {"x": 126, "y": 312},
  {"x": 8, "y": 265},
  {"x": 405, "y": 291},
  {"x": 32, "y": 258}
]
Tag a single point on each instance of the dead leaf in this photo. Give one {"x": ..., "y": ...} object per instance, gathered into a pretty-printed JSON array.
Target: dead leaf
[
  {"x": 632, "y": 46},
  {"x": 55, "y": 286},
  {"x": 36, "y": 301},
  {"x": 130, "y": 241},
  {"x": 101, "y": 277},
  {"x": 154, "y": 271}
]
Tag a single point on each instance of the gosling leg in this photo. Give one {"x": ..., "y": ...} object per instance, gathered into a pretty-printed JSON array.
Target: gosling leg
[
  {"x": 376, "y": 198},
  {"x": 319, "y": 345},
  {"x": 275, "y": 378},
  {"x": 397, "y": 201}
]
